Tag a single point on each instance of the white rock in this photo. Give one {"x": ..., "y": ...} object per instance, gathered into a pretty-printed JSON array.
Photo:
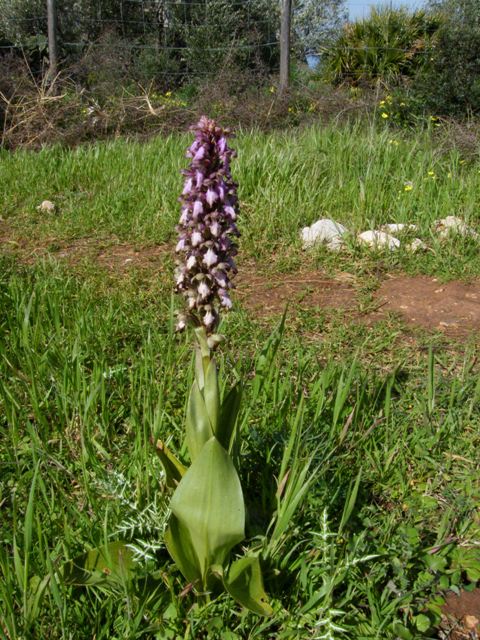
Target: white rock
[
  {"x": 416, "y": 245},
  {"x": 46, "y": 207},
  {"x": 379, "y": 240},
  {"x": 453, "y": 224},
  {"x": 324, "y": 231},
  {"x": 398, "y": 227}
]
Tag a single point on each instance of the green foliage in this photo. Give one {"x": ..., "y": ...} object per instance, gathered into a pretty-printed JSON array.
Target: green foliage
[
  {"x": 148, "y": 42},
  {"x": 386, "y": 45},
  {"x": 91, "y": 375},
  {"x": 449, "y": 84}
]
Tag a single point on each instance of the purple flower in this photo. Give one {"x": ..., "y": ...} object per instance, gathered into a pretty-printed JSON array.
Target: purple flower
[
  {"x": 207, "y": 227},
  {"x": 212, "y": 195},
  {"x": 197, "y": 208},
  {"x": 210, "y": 258}
]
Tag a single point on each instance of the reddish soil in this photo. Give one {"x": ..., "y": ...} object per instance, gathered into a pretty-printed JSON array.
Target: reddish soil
[
  {"x": 267, "y": 295},
  {"x": 461, "y": 616},
  {"x": 453, "y": 308},
  {"x": 108, "y": 253}
]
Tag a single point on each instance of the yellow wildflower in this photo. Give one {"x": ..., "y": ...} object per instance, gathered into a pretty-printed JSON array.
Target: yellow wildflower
[{"x": 384, "y": 115}]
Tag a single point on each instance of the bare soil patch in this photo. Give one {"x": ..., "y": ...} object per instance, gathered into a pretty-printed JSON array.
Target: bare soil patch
[
  {"x": 266, "y": 294},
  {"x": 461, "y": 616},
  {"x": 453, "y": 308},
  {"x": 109, "y": 253}
]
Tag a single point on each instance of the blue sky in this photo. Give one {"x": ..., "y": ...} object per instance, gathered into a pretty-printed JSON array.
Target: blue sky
[{"x": 359, "y": 9}]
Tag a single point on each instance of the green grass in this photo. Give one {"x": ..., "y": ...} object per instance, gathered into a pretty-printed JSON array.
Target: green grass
[
  {"x": 354, "y": 174},
  {"x": 90, "y": 375}
]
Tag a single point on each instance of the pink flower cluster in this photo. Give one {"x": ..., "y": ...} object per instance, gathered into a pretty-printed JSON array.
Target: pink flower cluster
[{"x": 207, "y": 227}]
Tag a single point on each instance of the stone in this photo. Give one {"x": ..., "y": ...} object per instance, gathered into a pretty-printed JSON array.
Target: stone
[
  {"x": 398, "y": 227},
  {"x": 416, "y": 245},
  {"x": 453, "y": 224},
  {"x": 324, "y": 231},
  {"x": 379, "y": 240},
  {"x": 46, "y": 207}
]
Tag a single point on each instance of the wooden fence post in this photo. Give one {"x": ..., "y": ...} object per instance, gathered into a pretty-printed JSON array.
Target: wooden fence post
[
  {"x": 52, "y": 40},
  {"x": 285, "y": 30}
]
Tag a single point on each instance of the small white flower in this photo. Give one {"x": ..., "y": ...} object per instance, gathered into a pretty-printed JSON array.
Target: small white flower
[
  {"x": 203, "y": 290},
  {"x": 212, "y": 195},
  {"x": 226, "y": 302},
  {"x": 199, "y": 176},
  {"x": 210, "y": 258},
  {"x": 208, "y": 319},
  {"x": 191, "y": 262},
  {"x": 221, "y": 279},
  {"x": 197, "y": 238},
  {"x": 180, "y": 245},
  {"x": 188, "y": 186},
  {"x": 215, "y": 229},
  {"x": 197, "y": 208}
]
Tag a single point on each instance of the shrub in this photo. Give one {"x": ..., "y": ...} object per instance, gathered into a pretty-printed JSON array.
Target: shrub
[
  {"x": 388, "y": 44},
  {"x": 450, "y": 83}
]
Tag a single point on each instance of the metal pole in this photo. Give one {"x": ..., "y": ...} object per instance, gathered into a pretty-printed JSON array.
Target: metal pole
[
  {"x": 52, "y": 39},
  {"x": 285, "y": 30}
]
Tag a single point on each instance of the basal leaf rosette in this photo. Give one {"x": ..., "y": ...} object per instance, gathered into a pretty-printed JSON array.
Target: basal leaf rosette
[{"x": 207, "y": 228}]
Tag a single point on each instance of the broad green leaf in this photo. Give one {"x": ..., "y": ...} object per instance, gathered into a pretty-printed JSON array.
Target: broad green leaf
[
  {"x": 111, "y": 563},
  {"x": 226, "y": 428},
  {"x": 422, "y": 622},
  {"x": 174, "y": 469},
  {"x": 401, "y": 631},
  {"x": 180, "y": 547},
  {"x": 198, "y": 426},
  {"x": 245, "y": 584},
  {"x": 211, "y": 394},
  {"x": 209, "y": 503}
]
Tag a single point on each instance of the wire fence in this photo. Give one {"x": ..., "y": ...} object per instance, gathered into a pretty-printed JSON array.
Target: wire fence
[
  {"x": 173, "y": 40},
  {"x": 154, "y": 38}
]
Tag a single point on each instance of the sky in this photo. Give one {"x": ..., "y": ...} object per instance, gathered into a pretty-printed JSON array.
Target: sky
[{"x": 359, "y": 9}]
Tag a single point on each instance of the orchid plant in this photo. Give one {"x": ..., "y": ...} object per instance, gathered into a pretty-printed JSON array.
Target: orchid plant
[{"x": 207, "y": 506}]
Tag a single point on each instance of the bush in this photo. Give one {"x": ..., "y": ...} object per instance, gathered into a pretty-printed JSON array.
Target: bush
[
  {"x": 450, "y": 83},
  {"x": 388, "y": 44},
  {"x": 152, "y": 42}
]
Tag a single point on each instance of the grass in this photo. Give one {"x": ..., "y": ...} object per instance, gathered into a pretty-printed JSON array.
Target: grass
[
  {"x": 90, "y": 374},
  {"x": 355, "y": 175}
]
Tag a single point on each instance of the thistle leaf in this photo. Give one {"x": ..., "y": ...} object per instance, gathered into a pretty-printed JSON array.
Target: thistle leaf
[{"x": 208, "y": 502}]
